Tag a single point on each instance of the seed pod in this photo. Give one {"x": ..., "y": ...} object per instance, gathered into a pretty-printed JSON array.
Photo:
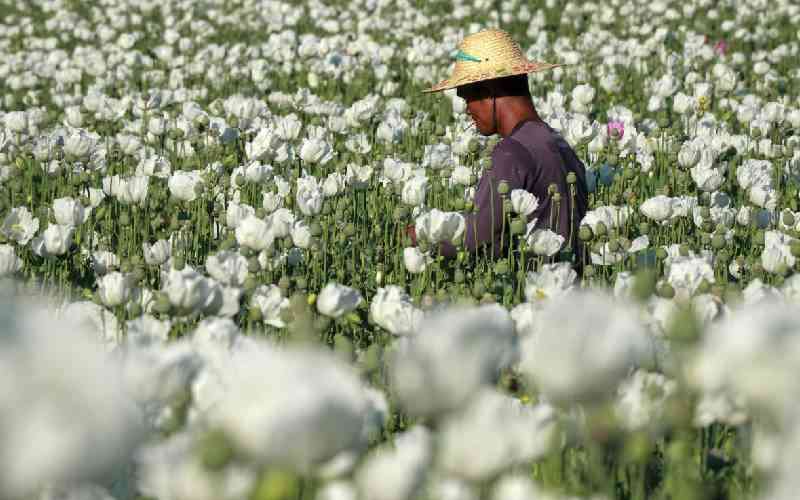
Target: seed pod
[
  {"x": 400, "y": 213},
  {"x": 253, "y": 265},
  {"x": 254, "y": 314},
  {"x": 666, "y": 291},
  {"x": 501, "y": 267},
  {"x": 178, "y": 263}
]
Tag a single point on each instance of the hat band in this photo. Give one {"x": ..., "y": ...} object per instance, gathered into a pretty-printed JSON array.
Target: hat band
[{"x": 463, "y": 56}]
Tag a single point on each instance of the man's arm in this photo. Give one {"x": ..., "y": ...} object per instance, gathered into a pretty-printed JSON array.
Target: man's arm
[{"x": 485, "y": 224}]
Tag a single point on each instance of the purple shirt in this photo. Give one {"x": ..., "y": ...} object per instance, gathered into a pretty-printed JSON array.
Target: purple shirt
[{"x": 532, "y": 157}]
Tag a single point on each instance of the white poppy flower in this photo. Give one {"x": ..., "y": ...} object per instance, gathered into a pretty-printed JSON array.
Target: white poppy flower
[
  {"x": 462, "y": 175},
  {"x": 523, "y": 202},
  {"x": 316, "y": 151},
  {"x": 133, "y": 190},
  {"x": 114, "y": 289},
  {"x": 301, "y": 234},
  {"x": 309, "y": 196},
  {"x": 453, "y": 354},
  {"x": 227, "y": 267},
  {"x": 436, "y": 226},
  {"x": 281, "y": 222},
  {"x": 334, "y": 184},
  {"x": 391, "y": 308},
  {"x": 79, "y": 393},
  {"x": 777, "y": 251},
  {"x": 414, "y": 260},
  {"x": 155, "y": 166},
  {"x": 554, "y": 354},
  {"x": 263, "y": 145},
  {"x": 16, "y": 121},
  {"x": 335, "y": 300},
  {"x": 545, "y": 242},
  {"x": 658, "y": 208},
  {"x": 69, "y": 211},
  {"x": 157, "y": 253},
  {"x": 397, "y": 472},
  {"x": 186, "y": 289},
  {"x": 79, "y": 144},
  {"x": 337, "y": 490},
  {"x": 147, "y": 331},
  {"x": 237, "y": 212},
  {"x": 218, "y": 332},
  {"x": 414, "y": 191},
  {"x": 254, "y": 233},
  {"x": 9, "y": 262},
  {"x": 185, "y": 185},
  {"x": 288, "y": 127},
  {"x": 706, "y": 178},
  {"x": 257, "y": 172},
  {"x": 20, "y": 225},
  {"x": 271, "y": 202},
  {"x": 642, "y": 399},
  {"x": 551, "y": 281},
  {"x": 55, "y": 240},
  {"x": 506, "y": 432},
  {"x": 271, "y": 302},
  {"x": 515, "y": 487},
  {"x": 687, "y": 273},
  {"x": 300, "y": 428}
]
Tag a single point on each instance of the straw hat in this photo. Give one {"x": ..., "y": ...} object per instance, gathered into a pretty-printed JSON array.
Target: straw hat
[{"x": 486, "y": 55}]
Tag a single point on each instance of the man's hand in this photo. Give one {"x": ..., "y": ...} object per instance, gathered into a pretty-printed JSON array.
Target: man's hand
[{"x": 411, "y": 232}]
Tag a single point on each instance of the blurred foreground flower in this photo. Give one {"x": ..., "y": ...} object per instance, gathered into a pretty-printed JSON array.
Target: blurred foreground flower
[
  {"x": 61, "y": 398},
  {"x": 582, "y": 356},
  {"x": 453, "y": 354}
]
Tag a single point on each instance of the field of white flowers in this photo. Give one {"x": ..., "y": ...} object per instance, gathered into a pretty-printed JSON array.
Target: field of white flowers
[{"x": 209, "y": 294}]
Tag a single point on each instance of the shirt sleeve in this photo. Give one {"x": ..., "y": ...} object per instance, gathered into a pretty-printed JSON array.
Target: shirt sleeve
[{"x": 484, "y": 224}]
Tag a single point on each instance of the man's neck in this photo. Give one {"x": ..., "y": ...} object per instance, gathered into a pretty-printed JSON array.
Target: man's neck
[{"x": 510, "y": 113}]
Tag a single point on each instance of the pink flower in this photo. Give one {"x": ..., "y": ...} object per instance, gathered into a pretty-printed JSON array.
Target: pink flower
[
  {"x": 721, "y": 47},
  {"x": 615, "y": 129}
]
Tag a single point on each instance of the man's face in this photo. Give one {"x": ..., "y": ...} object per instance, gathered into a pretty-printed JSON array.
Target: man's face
[{"x": 479, "y": 107}]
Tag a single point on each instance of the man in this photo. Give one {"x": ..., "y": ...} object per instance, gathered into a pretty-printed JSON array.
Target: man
[{"x": 491, "y": 75}]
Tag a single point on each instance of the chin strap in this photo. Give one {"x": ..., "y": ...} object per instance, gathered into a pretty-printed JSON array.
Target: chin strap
[{"x": 494, "y": 113}]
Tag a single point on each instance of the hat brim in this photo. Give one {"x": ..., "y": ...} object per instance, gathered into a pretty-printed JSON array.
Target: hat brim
[{"x": 522, "y": 69}]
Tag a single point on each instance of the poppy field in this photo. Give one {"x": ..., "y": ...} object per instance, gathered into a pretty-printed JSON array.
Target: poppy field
[{"x": 209, "y": 291}]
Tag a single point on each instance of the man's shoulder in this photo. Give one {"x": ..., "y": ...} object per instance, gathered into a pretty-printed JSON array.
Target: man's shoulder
[{"x": 512, "y": 150}]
